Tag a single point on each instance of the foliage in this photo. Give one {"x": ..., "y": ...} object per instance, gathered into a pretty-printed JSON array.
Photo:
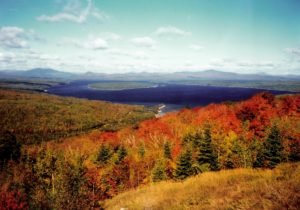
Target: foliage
[
  {"x": 104, "y": 154},
  {"x": 80, "y": 172},
  {"x": 159, "y": 171},
  {"x": 271, "y": 153},
  {"x": 184, "y": 165},
  {"x": 206, "y": 154},
  {"x": 167, "y": 150},
  {"x": 34, "y": 118}
]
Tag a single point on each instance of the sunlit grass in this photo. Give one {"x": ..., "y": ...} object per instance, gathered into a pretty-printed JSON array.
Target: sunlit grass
[{"x": 228, "y": 189}]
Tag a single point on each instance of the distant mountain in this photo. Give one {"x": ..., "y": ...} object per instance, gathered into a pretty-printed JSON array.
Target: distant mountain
[
  {"x": 187, "y": 76},
  {"x": 41, "y": 73},
  {"x": 212, "y": 75}
]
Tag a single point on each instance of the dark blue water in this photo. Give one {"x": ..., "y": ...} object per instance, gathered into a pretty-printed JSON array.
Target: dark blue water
[{"x": 174, "y": 96}]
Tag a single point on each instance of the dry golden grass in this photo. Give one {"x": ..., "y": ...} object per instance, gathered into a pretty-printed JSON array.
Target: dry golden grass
[{"x": 228, "y": 189}]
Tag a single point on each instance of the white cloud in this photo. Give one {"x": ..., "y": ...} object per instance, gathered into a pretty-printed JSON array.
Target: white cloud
[
  {"x": 144, "y": 42},
  {"x": 91, "y": 43},
  {"x": 171, "y": 30},
  {"x": 295, "y": 51},
  {"x": 13, "y": 37},
  {"x": 96, "y": 44},
  {"x": 6, "y": 57},
  {"x": 196, "y": 47},
  {"x": 71, "y": 11},
  {"x": 135, "y": 54},
  {"x": 112, "y": 36}
]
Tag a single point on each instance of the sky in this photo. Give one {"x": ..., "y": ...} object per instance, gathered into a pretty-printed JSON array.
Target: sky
[{"x": 118, "y": 36}]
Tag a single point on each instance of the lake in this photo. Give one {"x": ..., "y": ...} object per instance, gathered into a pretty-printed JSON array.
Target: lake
[{"x": 173, "y": 96}]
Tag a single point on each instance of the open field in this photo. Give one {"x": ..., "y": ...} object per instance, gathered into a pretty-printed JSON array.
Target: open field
[{"x": 228, "y": 189}]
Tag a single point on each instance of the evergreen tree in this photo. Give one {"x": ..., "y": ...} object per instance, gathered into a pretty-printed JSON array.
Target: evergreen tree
[
  {"x": 184, "y": 165},
  {"x": 273, "y": 148},
  {"x": 159, "y": 171},
  {"x": 122, "y": 153},
  {"x": 142, "y": 151},
  {"x": 104, "y": 154},
  {"x": 167, "y": 151},
  {"x": 206, "y": 154},
  {"x": 259, "y": 161}
]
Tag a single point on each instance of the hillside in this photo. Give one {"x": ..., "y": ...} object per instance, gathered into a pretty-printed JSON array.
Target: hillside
[
  {"x": 34, "y": 118},
  {"x": 229, "y": 189},
  {"x": 83, "y": 171}
]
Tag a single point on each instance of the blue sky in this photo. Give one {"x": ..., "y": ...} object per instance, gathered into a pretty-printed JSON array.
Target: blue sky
[{"x": 117, "y": 36}]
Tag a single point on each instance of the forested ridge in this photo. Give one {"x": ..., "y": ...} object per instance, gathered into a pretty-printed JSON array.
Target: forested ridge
[
  {"x": 34, "y": 118},
  {"x": 83, "y": 171}
]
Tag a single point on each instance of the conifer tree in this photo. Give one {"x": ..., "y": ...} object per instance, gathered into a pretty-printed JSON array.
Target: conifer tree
[
  {"x": 184, "y": 165},
  {"x": 104, "y": 154},
  {"x": 142, "y": 151},
  {"x": 206, "y": 154},
  {"x": 273, "y": 148},
  {"x": 159, "y": 171},
  {"x": 122, "y": 153},
  {"x": 167, "y": 150}
]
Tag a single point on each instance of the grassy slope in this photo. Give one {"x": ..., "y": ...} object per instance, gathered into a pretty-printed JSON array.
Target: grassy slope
[
  {"x": 40, "y": 117},
  {"x": 38, "y": 85},
  {"x": 228, "y": 189}
]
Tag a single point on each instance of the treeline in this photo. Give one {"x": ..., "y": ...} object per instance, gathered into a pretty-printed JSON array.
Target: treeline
[
  {"x": 81, "y": 172},
  {"x": 35, "y": 118}
]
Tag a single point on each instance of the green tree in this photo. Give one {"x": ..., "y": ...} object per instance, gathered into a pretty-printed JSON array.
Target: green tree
[
  {"x": 184, "y": 165},
  {"x": 122, "y": 153},
  {"x": 142, "y": 151},
  {"x": 104, "y": 154},
  {"x": 159, "y": 171},
  {"x": 270, "y": 153},
  {"x": 167, "y": 151},
  {"x": 273, "y": 148},
  {"x": 206, "y": 153}
]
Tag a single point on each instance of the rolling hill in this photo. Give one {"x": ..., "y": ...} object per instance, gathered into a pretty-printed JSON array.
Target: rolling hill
[
  {"x": 34, "y": 118},
  {"x": 231, "y": 189}
]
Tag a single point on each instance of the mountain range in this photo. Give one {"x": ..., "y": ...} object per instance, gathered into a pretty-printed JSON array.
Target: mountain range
[{"x": 213, "y": 75}]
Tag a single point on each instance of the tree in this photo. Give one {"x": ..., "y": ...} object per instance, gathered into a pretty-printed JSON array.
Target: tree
[
  {"x": 159, "y": 171},
  {"x": 273, "y": 148},
  {"x": 167, "y": 151},
  {"x": 141, "y": 151},
  {"x": 122, "y": 153},
  {"x": 206, "y": 154},
  {"x": 104, "y": 154},
  {"x": 184, "y": 165}
]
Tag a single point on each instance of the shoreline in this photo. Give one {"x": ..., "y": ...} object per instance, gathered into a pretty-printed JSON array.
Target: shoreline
[{"x": 159, "y": 110}]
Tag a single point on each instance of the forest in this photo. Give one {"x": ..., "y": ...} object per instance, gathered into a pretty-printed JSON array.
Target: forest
[{"x": 86, "y": 170}]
